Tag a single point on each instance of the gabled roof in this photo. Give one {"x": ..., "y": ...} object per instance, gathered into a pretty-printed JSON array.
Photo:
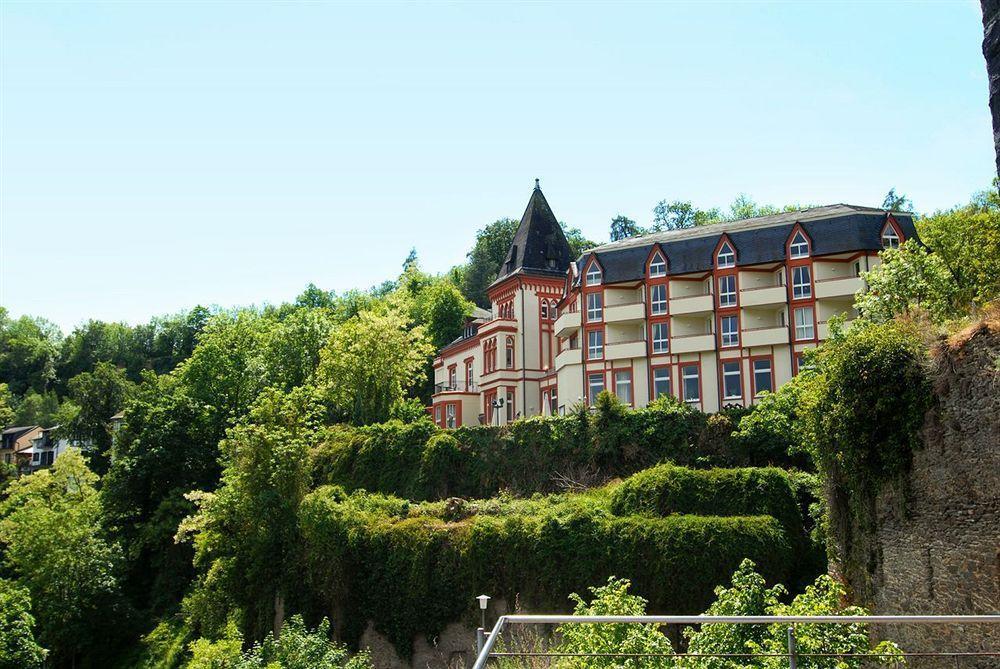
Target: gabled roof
[
  {"x": 19, "y": 430},
  {"x": 539, "y": 245},
  {"x": 835, "y": 228}
]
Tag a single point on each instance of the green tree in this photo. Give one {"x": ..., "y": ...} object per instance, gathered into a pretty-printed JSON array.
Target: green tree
[
  {"x": 314, "y": 298},
  {"x": 896, "y": 201},
  {"x": 38, "y": 409},
  {"x": 370, "y": 362},
  {"x": 578, "y": 243},
  {"x": 680, "y": 214},
  {"x": 910, "y": 278},
  {"x": 623, "y": 227},
  {"x": 18, "y": 648},
  {"x": 744, "y": 206},
  {"x": 51, "y": 532},
  {"x": 6, "y": 406},
  {"x": 484, "y": 260},
  {"x": 28, "y": 353},
  {"x": 442, "y": 309},
  {"x": 99, "y": 395}
]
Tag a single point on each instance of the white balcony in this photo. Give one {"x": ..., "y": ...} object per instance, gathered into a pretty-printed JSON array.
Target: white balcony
[
  {"x": 567, "y": 323},
  {"x": 625, "y": 349},
  {"x": 570, "y": 356},
  {"x": 755, "y": 297},
  {"x": 765, "y": 336},
  {"x": 692, "y": 343},
  {"x": 845, "y": 287},
  {"x": 692, "y": 305},
  {"x": 625, "y": 313}
]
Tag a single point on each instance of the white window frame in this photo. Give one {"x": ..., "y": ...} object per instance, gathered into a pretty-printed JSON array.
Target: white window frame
[
  {"x": 726, "y": 257},
  {"x": 661, "y": 344},
  {"x": 595, "y": 313},
  {"x": 890, "y": 238},
  {"x": 510, "y": 406},
  {"x": 801, "y": 282},
  {"x": 727, "y": 297},
  {"x": 661, "y": 375},
  {"x": 594, "y": 274},
  {"x": 657, "y": 266},
  {"x": 804, "y": 330},
  {"x": 591, "y": 386},
  {"x": 730, "y": 369},
  {"x": 799, "y": 248},
  {"x": 756, "y": 372},
  {"x": 729, "y": 338},
  {"x": 623, "y": 381},
  {"x": 453, "y": 377},
  {"x": 545, "y": 310},
  {"x": 685, "y": 377},
  {"x": 595, "y": 351},
  {"x": 449, "y": 415},
  {"x": 658, "y": 299}
]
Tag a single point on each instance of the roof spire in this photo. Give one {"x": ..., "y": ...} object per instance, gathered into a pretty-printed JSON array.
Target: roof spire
[{"x": 537, "y": 187}]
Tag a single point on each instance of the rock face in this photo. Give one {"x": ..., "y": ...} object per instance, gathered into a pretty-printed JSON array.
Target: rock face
[
  {"x": 991, "y": 51},
  {"x": 936, "y": 543}
]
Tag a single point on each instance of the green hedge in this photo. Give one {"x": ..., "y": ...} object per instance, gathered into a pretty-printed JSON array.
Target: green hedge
[
  {"x": 411, "y": 569},
  {"x": 419, "y": 461}
]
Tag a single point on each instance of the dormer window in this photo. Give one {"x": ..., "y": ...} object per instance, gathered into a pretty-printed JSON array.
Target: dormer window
[
  {"x": 594, "y": 274},
  {"x": 657, "y": 266},
  {"x": 726, "y": 257},
  {"x": 890, "y": 238},
  {"x": 799, "y": 247}
]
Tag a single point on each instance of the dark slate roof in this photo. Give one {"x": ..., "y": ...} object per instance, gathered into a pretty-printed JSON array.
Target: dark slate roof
[
  {"x": 832, "y": 229},
  {"x": 539, "y": 245}
]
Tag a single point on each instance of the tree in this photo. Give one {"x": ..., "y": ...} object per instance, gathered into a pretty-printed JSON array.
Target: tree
[
  {"x": 896, "y": 202},
  {"x": 6, "y": 406},
  {"x": 50, "y": 528},
  {"x": 370, "y": 362},
  {"x": 679, "y": 214},
  {"x": 907, "y": 279},
  {"x": 484, "y": 260},
  {"x": 99, "y": 395},
  {"x": 576, "y": 240},
  {"x": 442, "y": 309},
  {"x": 18, "y": 649},
  {"x": 38, "y": 409},
  {"x": 744, "y": 206},
  {"x": 314, "y": 298},
  {"x": 623, "y": 227},
  {"x": 28, "y": 353}
]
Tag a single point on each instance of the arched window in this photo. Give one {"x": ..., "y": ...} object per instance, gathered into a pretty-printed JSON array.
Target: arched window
[
  {"x": 593, "y": 274},
  {"x": 657, "y": 266},
  {"x": 545, "y": 310},
  {"x": 510, "y": 353},
  {"x": 890, "y": 238},
  {"x": 726, "y": 257},
  {"x": 799, "y": 247}
]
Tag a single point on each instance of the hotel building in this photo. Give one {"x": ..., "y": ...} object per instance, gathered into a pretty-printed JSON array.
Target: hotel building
[{"x": 713, "y": 315}]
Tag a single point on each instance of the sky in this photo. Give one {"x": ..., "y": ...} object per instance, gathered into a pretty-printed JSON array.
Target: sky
[{"x": 155, "y": 156}]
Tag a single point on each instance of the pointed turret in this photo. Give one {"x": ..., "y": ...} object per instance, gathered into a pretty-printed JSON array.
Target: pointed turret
[{"x": 539, "y": 245}]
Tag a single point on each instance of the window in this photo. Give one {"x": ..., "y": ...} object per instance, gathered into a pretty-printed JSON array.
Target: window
[
  {"x": 658, "y": 299},
  {"x": 623, "y": 385},
  {"x": 595, "y": 386},
  {"x": 510, "y": 406},
  {"x": 657, "y": 266},
  {"x": 732, "y": 386},
  {"x": 727, "y": 291},
  {"x": 661, "y": 382},
  {"x": 762, "y": 379},
  {"x": 36, "y": 457},
  {"x": 890, "y": 238},
  {"x": 804, "y": 323},
  {"x": 595, "y": 344},
  {"x": 452, "y": 377},
  {"x": 799, "y": 247},
  {"x": 594, "y": 274},
  {"x": 595, "y": 307},
  {"x": 553, "y": 402},
  {"x": 545, "y": 310},
  {"x": 801, "y": 286},
  {"x": 726, "y": 257},
  {"x": 661, "y": 341},
  {"x": 48, "y": 457},
  {"x": 857, "y": 268},
  {"x": 690, "y": 385},
  {"x": 509, "y": 353},
  {"x": 449, "y": 412},
  {"x": 470, "y": 381},
  {"x": 729, "y": 327}
]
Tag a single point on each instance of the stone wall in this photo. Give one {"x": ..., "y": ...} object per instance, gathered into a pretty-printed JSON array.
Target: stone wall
[{"x": 936, "y": 543}]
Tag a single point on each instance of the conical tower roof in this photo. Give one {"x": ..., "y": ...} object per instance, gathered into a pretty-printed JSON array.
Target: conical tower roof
[{"x": 539, "y": 245}]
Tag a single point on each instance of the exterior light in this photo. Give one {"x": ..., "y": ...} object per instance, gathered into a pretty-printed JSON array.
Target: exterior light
[{"x": 483, "y": 599}]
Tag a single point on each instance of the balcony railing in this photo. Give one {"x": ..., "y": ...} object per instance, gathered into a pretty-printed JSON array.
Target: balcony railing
[{"x": 457, "y": 387}]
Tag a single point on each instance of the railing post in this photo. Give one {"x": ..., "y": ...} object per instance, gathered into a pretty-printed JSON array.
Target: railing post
[
  {"x": 480, "y": 640},
  {"x": 792, "y": 664}
]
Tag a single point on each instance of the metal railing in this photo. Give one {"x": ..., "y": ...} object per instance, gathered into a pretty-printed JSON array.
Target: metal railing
[{"x": 486, "y": 641}]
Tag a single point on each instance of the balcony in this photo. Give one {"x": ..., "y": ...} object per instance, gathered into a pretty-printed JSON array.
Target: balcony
[
  {"x": 755, "y": 297},
  {"x": 624, "y": 313},
  {"x": 765, "y": 336},
  {"x": 571, "y": 356},
  {"x": 625, "y": 349},
  {"x": 692, "y": 305},
  {"x": 567, "y": 323},
  {"x": 845, "y": 287},
  {"x": 692, "y": 343},
  {"x": 458, "y": 387}
]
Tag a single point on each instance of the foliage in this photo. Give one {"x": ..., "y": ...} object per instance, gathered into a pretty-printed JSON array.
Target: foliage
[
  {"x": 6, "y": 406},
  {"x": 38, "y": 409},
  {"x": 623, "y": 227},
  {"x": 613, "y": 598},
  {"x": 28, "y": 353},
  {"x": 774, "y": 427},
  {"x": 894, "y": 201},
  {"x": 18, "y": 649},
  {"x": 680, "y": 214},
  {"x": 370, "y": 362},
  {"x": 749, "y": 596},
  {"x": 99, "y": 395},
  {"x": 50, "y": 528},
  {"x": 490, "y": 250},
  {"x": 908, "y": 279}
]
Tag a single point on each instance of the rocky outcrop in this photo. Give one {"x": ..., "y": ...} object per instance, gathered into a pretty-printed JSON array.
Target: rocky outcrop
[{"x": 991, "y": 51}]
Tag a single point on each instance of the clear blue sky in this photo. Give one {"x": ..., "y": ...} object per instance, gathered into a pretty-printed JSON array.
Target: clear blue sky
[{"x": 156, "y": 156}]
